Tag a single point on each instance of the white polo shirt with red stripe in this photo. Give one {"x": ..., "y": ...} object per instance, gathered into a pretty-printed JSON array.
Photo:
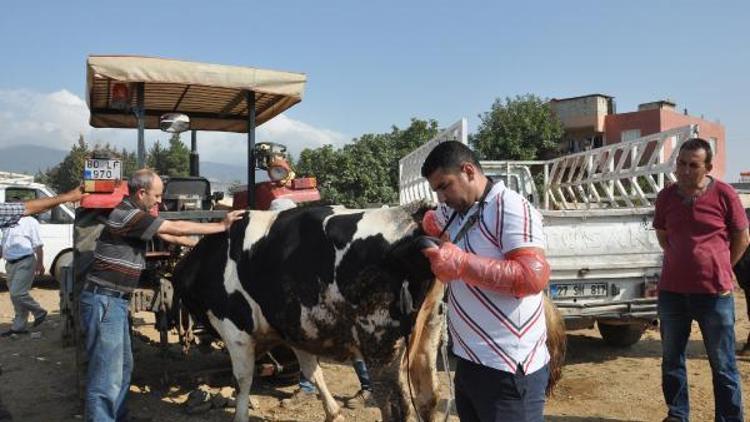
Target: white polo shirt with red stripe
[{"x": 488, "y": 328}]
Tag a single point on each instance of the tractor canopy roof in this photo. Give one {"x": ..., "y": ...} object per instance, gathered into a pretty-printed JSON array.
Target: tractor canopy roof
[{"x": 213, "y": 96}]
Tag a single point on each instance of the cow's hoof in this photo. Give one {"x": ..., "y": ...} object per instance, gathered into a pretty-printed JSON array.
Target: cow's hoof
[
  {"x": 337, "y": 418},
  {"x": 363, "y": 398}
]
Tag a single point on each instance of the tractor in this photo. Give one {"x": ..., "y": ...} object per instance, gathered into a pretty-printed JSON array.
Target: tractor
[{"x": 177, "y": 96}]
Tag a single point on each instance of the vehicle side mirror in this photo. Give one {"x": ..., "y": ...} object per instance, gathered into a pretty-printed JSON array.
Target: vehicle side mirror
[{"x": 174, "y": 122}]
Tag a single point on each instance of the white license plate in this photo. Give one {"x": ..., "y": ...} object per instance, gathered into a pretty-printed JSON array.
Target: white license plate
[
  {"x": 563, "y": 290},
  {"x": 102, "y": 169}
]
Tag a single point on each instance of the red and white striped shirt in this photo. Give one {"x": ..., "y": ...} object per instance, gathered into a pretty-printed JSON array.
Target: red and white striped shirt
[{"x": 489, "y": 328}]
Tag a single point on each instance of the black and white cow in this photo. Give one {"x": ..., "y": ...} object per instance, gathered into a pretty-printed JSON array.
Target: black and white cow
[
  {"x": 334, "y": 282},
  {"x": 327, "y": 281}
]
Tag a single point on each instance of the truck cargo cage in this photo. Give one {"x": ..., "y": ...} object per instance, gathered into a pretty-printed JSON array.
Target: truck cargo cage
[
  {"x": 622, "y": 175},
  {"x": 625, "y": 174}
]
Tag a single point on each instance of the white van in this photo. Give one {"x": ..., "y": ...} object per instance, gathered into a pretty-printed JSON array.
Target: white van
[{"x": 56, "y": 225}]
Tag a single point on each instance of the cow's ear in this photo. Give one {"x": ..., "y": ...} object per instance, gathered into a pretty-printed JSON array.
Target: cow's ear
[{"x": 418, "y": 209}]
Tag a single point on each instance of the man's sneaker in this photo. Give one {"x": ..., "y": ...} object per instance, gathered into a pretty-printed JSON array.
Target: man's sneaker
[
  {"x": 363, "y": 398},
  {"x": 39, "y": 320},
  {"x": 13, "y": 332},
  {"x": 671, "y": 419}
]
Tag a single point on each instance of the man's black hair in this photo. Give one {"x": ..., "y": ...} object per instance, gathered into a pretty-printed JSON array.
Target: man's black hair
[
  {"x": 449, "y": 156},
  {"x": 694, "y": 144}
]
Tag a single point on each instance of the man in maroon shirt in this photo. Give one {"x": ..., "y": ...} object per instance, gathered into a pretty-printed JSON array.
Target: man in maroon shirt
[{"x": 702, "y": 227}]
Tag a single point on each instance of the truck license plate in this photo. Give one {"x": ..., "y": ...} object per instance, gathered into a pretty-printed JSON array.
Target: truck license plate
[
  {"x": 101, "y": 169},
  {"x": 559, "y": 291},
  {"x": 101, "y": 175}
]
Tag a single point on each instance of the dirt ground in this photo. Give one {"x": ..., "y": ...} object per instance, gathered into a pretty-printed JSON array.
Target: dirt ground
[{"x": 599, "y": 383}]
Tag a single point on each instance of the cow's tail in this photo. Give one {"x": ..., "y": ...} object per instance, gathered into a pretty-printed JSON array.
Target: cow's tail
[{"x": 556, "y": 343}]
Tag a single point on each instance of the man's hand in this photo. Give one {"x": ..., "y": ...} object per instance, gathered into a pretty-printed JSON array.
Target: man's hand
[
  {"x": 39, "y": 269},
  {"x": 231, "y": 217},
  {"x": 35, "y": 206},
  {"x": 447, "y": 261},
  {"x": 74, "y": 195}
]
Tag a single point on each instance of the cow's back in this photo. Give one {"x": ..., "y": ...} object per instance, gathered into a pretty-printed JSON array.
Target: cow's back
[{"x": 325, "y": 279}]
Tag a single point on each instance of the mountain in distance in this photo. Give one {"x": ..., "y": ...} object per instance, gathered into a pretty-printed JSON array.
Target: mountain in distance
[{"x": 30, "y": 159}]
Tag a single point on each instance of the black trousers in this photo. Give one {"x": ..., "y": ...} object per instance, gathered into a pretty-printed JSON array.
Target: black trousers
[{"x": 485, "y": 394}]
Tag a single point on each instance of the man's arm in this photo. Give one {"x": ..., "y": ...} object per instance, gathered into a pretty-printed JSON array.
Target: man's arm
[
  {"x": 737, "y": 245},
  {"x": 524, "y": 271},
  {"x": 183, "y": 228},
  {"x": 39, "y": 251},
  {"x": 35, "y": 206},
  {"x": 186, "y": 241},
  {"x": 661, "y": 236}
]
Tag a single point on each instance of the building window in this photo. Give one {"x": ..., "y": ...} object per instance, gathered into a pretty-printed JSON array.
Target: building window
[
  {"x": 629, "y": 135},
  {"x": 712, "y": 142}
]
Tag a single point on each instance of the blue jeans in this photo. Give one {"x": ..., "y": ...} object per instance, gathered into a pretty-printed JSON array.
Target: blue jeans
[
  {"x": 104, "y": 320},
  {"x": 715, "y": 317},
  {"x": 359, "y": 367}
]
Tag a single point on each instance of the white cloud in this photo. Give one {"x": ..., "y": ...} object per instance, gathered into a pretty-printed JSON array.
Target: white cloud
[
  {"x": 296, "y": 135},
  {"x": 53, "y": 120},
  {"x": 56, "y": 119}
]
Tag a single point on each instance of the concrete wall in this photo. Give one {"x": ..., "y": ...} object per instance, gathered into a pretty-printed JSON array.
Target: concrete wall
[{"x": 582, "y": 112}]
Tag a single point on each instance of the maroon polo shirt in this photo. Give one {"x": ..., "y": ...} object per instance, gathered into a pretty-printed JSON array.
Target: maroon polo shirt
[{"x": 697, "y": 259}]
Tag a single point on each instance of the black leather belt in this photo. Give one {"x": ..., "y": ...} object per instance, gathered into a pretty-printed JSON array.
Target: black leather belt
[
  {"x": 13, "y": 261},
  {"x": 95, "y": 288}
]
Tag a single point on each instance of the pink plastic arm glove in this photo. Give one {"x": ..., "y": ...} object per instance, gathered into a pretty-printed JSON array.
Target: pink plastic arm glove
[
  {"x": 523, "y": 272},
  {"x": 430, "y": 224}
]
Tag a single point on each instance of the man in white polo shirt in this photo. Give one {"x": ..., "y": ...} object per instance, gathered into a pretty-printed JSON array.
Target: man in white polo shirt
[
  {"x": 493, "y": 263},
  {"x": 23, "y": 253},
  {"x": 10, "y": 213}
]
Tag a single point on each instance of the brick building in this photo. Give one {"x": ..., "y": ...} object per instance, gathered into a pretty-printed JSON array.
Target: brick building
[{"x": 592, "y": 121}]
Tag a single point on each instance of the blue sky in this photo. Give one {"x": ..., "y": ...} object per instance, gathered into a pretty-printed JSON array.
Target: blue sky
[{"x": 371, "y": 65}]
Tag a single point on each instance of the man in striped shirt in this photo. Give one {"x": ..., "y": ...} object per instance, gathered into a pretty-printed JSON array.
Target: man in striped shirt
[
  {"x": 493, "y": 264},
  {"x": 119, "y": 258}
]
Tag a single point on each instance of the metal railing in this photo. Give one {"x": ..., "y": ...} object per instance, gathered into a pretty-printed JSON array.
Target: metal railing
[{"x": 626, "y": 174}]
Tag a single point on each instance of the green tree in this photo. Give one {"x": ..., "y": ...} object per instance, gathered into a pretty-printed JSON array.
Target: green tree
[
  {"x": 69, "y": 172},
  {"x": 520, "y": 128},
  {"x": 171, "y": 161},
  {"x": 129, "y": 162},
  {"x": 156, "y": 158},
  {"x": 364, "y": 172},
  {"x": 178, "y": 157}
]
